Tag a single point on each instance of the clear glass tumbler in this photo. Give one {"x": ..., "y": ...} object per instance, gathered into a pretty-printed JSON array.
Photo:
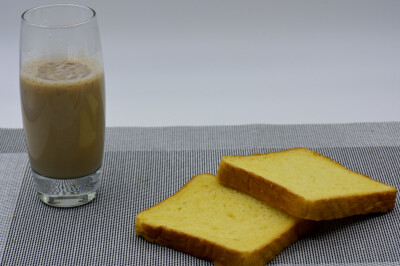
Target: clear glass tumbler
[{"x": 63, "y": 102}]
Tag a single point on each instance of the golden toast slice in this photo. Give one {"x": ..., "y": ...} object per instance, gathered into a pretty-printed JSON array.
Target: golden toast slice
[
  {"x": 210, "y": 221},
  {"x": 306, "y": 184}
]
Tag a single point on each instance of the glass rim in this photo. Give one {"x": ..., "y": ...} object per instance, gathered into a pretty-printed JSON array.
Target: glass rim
[{"x": 41, "y": 25}]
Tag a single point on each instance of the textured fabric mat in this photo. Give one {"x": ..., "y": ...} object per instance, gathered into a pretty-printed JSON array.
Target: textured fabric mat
[{"x": 143, "y": 166}]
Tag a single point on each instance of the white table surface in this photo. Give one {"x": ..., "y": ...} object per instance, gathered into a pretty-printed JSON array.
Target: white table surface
[{"x": 233, "y": 62}]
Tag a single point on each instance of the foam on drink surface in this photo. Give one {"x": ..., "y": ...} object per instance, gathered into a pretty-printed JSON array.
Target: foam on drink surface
[
  {"x": 64, "y": 70},
  {"x": 60, "y": 71}
]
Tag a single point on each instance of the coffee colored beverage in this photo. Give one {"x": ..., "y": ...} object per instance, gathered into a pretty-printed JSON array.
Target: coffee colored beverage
[{"x": 63, "y": 109}]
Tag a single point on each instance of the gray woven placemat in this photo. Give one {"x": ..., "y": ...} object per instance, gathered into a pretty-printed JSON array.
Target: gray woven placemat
[{"x": 142, "y": 166}]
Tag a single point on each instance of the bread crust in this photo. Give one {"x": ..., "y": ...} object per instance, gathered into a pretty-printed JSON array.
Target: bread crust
[
  {"x": 215, "y": 252},
  {"x": 298, "y": 206}
]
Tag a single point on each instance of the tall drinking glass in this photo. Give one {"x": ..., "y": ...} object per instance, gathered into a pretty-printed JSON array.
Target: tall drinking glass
[{"x": 63, "y": 102}]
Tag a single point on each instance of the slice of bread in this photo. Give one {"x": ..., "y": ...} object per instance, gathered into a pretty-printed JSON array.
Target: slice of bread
[
  {"x": 306, "y": 184},
  {"x": 210, "y": 221}
]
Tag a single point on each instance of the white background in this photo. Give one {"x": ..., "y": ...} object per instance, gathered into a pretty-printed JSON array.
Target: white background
[{"x": 233, "y": 62}]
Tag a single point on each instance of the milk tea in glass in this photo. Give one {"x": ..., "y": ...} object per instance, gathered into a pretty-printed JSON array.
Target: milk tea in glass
[{"x": 63, "y": 102}]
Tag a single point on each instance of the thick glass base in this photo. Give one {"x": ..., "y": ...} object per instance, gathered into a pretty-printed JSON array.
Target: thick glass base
[{"x": 67, "y": 192}]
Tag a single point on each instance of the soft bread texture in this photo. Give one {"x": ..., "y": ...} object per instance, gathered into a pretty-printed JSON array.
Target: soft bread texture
[
  {"x": 210, "y": 221},
  {"x": 306, "y": 184}
]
